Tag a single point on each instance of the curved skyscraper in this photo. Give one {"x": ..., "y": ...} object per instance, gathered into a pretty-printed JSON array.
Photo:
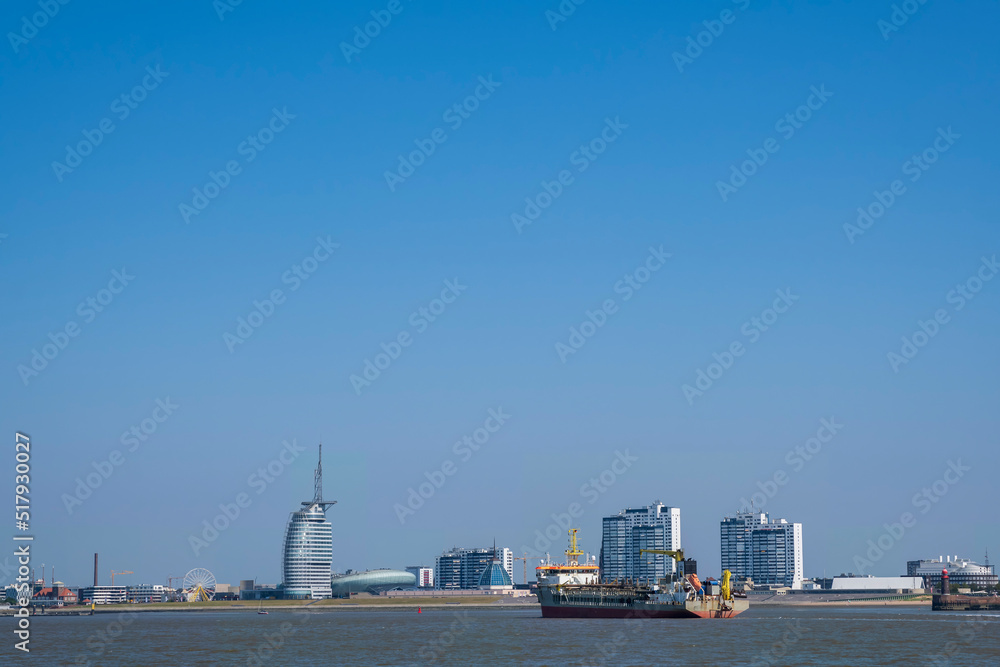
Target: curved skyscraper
[{"x": 307, "y": 554}]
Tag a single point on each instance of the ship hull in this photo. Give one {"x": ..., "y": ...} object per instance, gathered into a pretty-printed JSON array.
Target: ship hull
[
  {"x": 636, "y": 612},
  {"x": 635, "y": 607}
]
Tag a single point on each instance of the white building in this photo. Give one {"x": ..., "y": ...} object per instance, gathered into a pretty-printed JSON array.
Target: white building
[
  {"x": 870, "y": 583},
  {"x": 961, "y": 571},
  {"x": 307, "y": 553},
  {"x": 769, "y": 552},
  {"x": 424, "y": 575},
  {"x": 104, "y": 594},
  {"x": 625, "y": 534},
  {"x": 145, "y": 593}
]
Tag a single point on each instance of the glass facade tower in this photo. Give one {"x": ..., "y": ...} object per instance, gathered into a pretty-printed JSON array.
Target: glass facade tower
[{"x": 307, "y": 553}]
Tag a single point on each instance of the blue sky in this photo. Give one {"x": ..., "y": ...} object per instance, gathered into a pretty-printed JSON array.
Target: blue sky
[{"x": 345, "y": 124}]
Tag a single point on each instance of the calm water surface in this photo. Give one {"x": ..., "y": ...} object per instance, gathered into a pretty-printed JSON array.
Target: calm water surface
[{"x": 762, "y": 636}]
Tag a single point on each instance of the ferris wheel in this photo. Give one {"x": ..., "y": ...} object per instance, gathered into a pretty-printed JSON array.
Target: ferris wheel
[{"x": 199, "y": 585}]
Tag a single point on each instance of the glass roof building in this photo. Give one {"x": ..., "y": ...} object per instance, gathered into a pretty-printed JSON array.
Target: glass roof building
[
  {"x": 495, "y": 577},
  {"x": 307, "y": 553}
]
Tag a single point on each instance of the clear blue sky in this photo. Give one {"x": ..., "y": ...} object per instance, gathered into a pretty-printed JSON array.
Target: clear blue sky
[{"x": 323, "y": 175}]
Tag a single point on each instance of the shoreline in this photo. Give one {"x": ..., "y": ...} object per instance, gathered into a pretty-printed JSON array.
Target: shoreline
[{"x": 376, "y": 604}]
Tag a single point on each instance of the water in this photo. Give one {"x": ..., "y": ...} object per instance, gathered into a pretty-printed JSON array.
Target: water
[{"x": 455, "y": 636}]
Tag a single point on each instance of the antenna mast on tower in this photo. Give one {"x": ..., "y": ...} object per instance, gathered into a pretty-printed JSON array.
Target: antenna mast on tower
[{"x": 318, "y": 486}]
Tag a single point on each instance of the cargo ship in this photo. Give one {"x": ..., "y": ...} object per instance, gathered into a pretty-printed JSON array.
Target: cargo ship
[{"x": 575, "y": 591}]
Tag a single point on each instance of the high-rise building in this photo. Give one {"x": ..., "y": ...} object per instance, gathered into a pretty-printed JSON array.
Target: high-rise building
[
  {"x": 448, "y": 570},
  {"x": 424, "y": 575},
  {"x": 769, "y": 552},
  {"x": 625, "y": 534},
  {"x": 462, "y": 568},
  {"x": 307, "y": 555}
]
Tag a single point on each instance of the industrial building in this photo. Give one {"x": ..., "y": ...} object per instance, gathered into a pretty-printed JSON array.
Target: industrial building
[
  {"x": 962, "y": 572},
  {"x": 625, "y": 534},
  {"x": 461, "y": 569},
  {"x": 307, "y": 553},
  {"x": 768, "y": 552}
]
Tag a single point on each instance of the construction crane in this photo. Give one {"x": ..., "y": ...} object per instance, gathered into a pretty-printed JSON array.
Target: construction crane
[
  {"x": 113, "y": 573},
  {"x": 526, "y": 558}
]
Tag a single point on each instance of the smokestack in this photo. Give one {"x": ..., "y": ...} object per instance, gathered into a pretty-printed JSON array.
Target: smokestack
[{"x": 95, "y": 569}]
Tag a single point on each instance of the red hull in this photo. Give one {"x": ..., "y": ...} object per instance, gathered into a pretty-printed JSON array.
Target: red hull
[{"x": 624, "y": 612}]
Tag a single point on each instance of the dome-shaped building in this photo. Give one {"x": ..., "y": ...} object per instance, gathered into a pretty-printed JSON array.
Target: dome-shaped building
[
  {"x": 372, "y": 581},
  {"x": 495, "y": 577}
]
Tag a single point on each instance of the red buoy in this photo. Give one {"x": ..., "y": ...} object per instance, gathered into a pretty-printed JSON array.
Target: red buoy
[{"x": 418, "y": 610}]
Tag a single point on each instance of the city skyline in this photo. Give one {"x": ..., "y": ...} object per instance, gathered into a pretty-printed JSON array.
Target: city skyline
[{"x": 497, "y": 260}]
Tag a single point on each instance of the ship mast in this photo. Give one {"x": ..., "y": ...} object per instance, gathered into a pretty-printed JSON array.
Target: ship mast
[{"x": 573, "y": 553}]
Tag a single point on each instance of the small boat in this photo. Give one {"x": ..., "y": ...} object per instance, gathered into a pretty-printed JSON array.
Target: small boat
[{"x": 260, "y": 609}]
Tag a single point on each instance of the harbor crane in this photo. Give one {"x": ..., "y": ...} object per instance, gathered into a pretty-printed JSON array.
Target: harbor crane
[
  {"x": 113, "y": 573},
  {"x": 526, "y": 558}
]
